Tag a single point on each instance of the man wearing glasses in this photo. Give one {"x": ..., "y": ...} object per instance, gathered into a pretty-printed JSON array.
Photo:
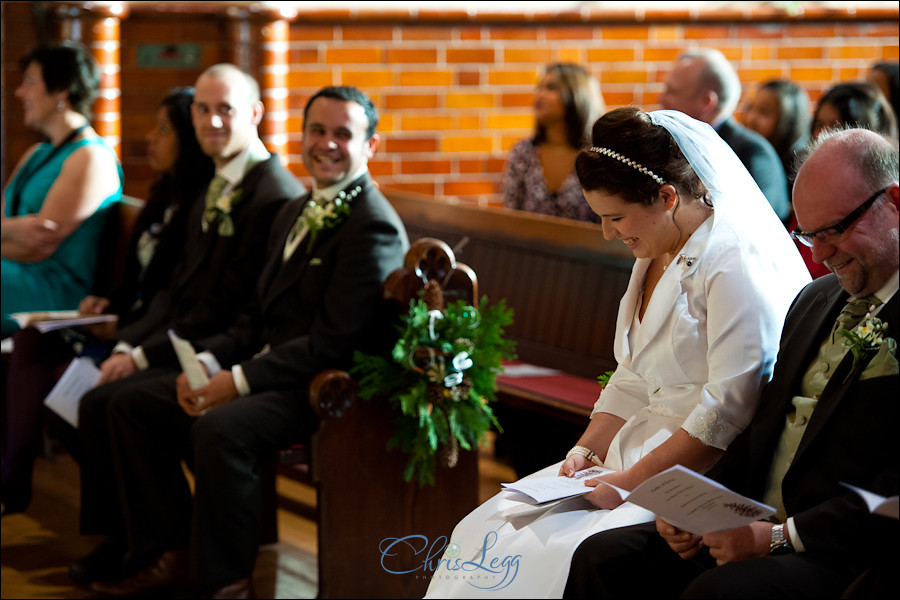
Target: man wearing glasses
[{"x": 827, "y": 418}]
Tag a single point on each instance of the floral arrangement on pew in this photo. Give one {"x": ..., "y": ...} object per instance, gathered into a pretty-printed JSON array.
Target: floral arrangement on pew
[{"x": 440, "y": 378}]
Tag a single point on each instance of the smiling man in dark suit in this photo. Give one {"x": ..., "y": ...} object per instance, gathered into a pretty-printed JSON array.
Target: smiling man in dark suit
[
  {"x": 225, "y": 249},
  {"x": 826, "y": 418},
  {"x": 316, "y": 302},
  {"x": 703, "y": 84}
]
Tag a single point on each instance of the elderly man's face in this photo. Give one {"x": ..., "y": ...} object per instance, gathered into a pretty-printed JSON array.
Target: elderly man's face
[{"x": 865, "y": 256}]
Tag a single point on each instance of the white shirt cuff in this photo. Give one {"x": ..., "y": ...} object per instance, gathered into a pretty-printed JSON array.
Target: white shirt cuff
[
  {"x": 140, "y": 359},
  {"x": 209, "y": 361},
  {"x": 122, "y": 347},
  {"x": 796, "y": 542},
  {"x": 240, "y": 380}
]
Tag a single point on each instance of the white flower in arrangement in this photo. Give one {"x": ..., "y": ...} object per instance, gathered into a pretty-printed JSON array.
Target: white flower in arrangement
[
  {"x": 319, "y": 217},
  {"x": 864, "y": 341},
  {"x": 220, "y": 211},
  {"x": 224, "y": 203}
]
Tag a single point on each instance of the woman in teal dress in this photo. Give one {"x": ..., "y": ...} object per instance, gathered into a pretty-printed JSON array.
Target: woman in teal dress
[{"x": 56, "y": 204}]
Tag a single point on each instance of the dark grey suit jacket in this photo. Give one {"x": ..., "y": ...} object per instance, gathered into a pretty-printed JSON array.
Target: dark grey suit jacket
[
  {"x": 315, "y": 309},
  {"x": 851, "y": 438},
  {"x": 762, "y": 161},
  {"x": 210, "y": 284}
]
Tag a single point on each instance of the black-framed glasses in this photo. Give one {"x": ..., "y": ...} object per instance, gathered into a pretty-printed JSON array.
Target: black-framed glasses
[{"x": 829, "y": 234}]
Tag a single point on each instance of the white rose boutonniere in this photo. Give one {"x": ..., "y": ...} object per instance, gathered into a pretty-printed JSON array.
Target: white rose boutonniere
[
  {"x": 322, "y": 217},
  {"x": 221, "y": 211},
  {"x": 864, "y": 341}
]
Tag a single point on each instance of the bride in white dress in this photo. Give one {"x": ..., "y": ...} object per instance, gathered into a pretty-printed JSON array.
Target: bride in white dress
[{"x": 696, "y": 338}]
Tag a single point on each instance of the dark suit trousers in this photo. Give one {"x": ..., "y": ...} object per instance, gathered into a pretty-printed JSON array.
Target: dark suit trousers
[
  {"x": 151, "y": 435},
  {"x": 100, "y": 498},
  {"x": 635, "y": 562}
]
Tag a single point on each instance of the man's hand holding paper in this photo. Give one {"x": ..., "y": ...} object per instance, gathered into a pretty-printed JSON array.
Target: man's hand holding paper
[{"x": 219, "y": 390}]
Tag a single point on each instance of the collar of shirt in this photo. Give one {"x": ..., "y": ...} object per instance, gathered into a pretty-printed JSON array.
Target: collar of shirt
[
  {"x": 887, "y": 291},
  {"x": 234, "y": 171},
  {"x": 328, "y": 194}
]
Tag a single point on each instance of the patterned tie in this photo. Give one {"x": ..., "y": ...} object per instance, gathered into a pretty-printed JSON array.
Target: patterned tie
[
  {"x": 213, "y": 192},
  {"x": 294, "y": 239},
  {"x": 854, "y": 312}
]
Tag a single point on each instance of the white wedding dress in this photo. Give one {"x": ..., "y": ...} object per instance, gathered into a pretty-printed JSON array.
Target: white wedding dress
[{"x": 696, "y": 361}]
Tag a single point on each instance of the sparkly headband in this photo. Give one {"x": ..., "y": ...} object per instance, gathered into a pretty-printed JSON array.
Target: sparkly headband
[{"x": 629, "y": 162}]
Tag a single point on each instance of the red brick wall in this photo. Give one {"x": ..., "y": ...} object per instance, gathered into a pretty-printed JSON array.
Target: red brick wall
[{"x": 454, "y": 90}]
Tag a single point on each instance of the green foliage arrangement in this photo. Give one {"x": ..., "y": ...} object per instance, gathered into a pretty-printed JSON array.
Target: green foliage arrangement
[
  {"x": 604, "y": 378},
  {"x": 441, "y": 379}
]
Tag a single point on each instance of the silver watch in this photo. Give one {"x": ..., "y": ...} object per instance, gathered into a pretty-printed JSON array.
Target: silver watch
[{"x": 779, "y": 544}]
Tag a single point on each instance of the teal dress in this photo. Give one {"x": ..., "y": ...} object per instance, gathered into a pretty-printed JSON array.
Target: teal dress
[{"x": 63, "y": 280}]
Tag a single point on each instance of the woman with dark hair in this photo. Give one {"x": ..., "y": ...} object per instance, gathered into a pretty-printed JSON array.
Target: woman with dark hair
[
  {"x": 157, "y": 244},
  {"x": 184, "y": 172},
  {"x": 780, "y": 112},
  {"x": 55, "y": 205},
  {"x": 855, "y": 104},
  {"x": 539, "y": 175},
  {"x": 696, "y": 337},
  {"x": 886, "y": 75}
]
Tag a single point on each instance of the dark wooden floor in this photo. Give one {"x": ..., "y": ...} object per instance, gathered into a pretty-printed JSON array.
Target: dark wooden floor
[{"x": 38, "y": 545}]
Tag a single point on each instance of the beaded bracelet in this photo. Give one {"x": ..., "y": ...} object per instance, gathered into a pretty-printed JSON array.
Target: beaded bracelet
[{"x": 587, "y": 453}]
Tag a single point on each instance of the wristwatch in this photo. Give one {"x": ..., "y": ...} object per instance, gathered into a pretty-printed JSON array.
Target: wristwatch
[{"x": 779, "y": 544}]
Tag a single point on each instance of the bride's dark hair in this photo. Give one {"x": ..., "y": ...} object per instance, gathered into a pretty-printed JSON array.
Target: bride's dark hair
[{"x": 629, "y": 132}]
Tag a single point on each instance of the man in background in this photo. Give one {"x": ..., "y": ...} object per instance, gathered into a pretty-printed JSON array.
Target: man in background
[{"x": 702, "y": 84}]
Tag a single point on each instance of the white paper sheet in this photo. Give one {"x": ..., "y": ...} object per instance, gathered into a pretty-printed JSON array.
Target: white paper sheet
[
  {"x": 187, "y": 358},
  {"x": 546, "y": 489},
  {"x": 50, "y": 320},
  {"x": 879, "y": 505},
  {"x": 528, "y": 370},
  {"x": 80, "y": 377}
]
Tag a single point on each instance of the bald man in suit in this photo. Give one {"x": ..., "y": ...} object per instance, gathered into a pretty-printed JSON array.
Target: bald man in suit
[{"x": 825, "y": 419}]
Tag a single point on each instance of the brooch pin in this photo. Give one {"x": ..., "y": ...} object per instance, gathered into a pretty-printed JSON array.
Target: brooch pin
[{"x": 686, "y": 260}]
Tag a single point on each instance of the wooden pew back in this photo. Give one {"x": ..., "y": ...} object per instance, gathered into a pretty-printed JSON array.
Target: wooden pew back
[{"x": 562, "y": 279}]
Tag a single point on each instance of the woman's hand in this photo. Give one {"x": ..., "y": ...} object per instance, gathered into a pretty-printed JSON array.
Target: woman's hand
[
  {"x": 93, "y": 305},
  {"x": 573, "y": 464},
  {"x": 604, "y": 496},
  {"x": 30, "y": 238}
]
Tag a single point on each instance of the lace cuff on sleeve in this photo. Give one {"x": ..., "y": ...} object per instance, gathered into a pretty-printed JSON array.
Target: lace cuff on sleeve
[{"x": 709, "y": 427}]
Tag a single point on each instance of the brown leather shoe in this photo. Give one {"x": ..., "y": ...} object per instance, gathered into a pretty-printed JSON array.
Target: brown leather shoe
[
  {"x": 242, "y": 588},
  {"x": 166, "y": 572}
]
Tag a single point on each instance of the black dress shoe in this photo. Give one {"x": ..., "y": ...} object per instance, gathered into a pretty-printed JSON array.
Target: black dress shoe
[
  {"x": 106, "y": 561},
  {"x": 162, "y": 575}
]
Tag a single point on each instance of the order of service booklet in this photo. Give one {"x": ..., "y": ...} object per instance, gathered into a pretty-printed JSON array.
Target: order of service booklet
[
  {"x": 50, "y": 320},
  {"x": 678, "y": 495},
  {"x": 187, "y": 358}
]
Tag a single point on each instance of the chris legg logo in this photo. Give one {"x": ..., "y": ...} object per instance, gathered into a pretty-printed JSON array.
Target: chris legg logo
[{"x": 482, "y": 573}]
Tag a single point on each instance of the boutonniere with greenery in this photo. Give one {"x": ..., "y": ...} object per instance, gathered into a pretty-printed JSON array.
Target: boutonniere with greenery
[
  {"x": 864, "y": 341},
  {"x": 440, "y": 378},
  {"x": 221, "y": 211},
  {"x": 328, "y": 215}
]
